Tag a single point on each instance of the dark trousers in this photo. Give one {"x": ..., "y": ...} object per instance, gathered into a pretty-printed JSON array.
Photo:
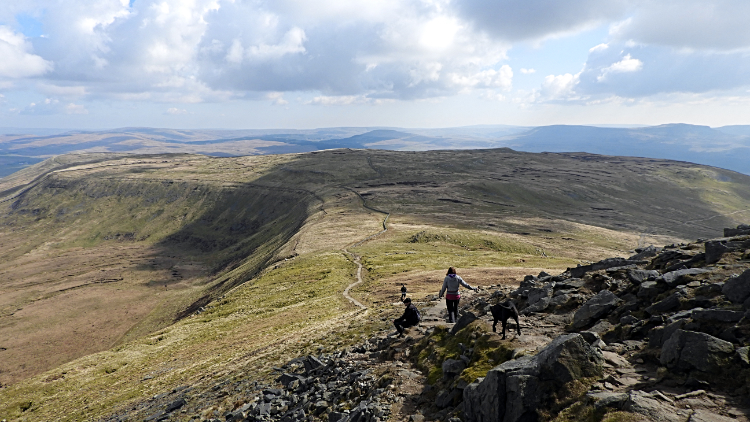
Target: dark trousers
[
  {"x": 400, "y": 324},
  {"x": 452, "y": 306}
]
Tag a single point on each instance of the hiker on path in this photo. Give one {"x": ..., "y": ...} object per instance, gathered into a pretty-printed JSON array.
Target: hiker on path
[
  {"x": 403, "y": 292},
  {"x": 410, "y": 318},
  {"x": 451, "y": 283}
]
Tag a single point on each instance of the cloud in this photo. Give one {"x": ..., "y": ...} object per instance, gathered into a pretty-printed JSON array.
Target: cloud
[
  {"x": 718, "y": 25},
  {"x": 277, "y": 98},
  {"x": 516, "y": 20},
  {"x": 174, "y": 111},
  {"x": 53, "y": 106},
  {"x": 556, "y": 87},
  {"x": 17, "y": 60},
  {"x": 627, "y": 64},
  {"x": 661, "y": 69},
  {"x": 527, "y": 71}
]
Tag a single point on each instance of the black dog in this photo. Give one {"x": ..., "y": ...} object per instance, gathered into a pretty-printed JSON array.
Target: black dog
[{"x": 503, "y": 311}]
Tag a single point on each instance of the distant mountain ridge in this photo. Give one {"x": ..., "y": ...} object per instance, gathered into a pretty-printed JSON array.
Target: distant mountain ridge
[{"x": 725, "y": 147}]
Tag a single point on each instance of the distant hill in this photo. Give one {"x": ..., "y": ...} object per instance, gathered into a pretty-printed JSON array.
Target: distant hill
[{"x": 726, "y": 147}]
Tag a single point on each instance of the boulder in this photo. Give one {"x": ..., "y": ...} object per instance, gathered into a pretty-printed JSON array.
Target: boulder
[
  {"x": 453, "y": 367},
  {"x": 596, "y": 307},
  {"x": 676, "y": 278},
  {"x": 719, "y": 315},
  {"x": 637, "y": 276},
  {"x": 445, "y": 398},
  {"x": 687, "y": 350},
  {"x": 649, "y": 290},
  {"x": 669, "y": 303},
  {"x": 737, "y": 289},
  {"x": 607, "y": 399},
  {"x": 580, "y": 270},
  {"x": 741, "y": 230},
  {"x": 645, "y": 253},
  {"x": 514, "y": 390},
  {"x": 645, "y": 404},
  {"x": 743, "y": 356},
  {"x": 466, "y": 319}
]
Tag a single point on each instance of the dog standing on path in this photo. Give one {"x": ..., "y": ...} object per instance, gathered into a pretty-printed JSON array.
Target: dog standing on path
[{"x": 503, "y": 311}]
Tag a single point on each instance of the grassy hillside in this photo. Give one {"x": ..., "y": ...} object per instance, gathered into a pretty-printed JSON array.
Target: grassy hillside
[{"x": 107, "y": 261}]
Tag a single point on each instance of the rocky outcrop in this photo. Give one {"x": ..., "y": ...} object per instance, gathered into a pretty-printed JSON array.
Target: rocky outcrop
[{"x": 517, "y": 389}]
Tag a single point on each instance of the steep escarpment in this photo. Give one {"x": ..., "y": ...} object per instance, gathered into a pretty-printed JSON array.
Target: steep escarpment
[{"x": 93, "y": 260}]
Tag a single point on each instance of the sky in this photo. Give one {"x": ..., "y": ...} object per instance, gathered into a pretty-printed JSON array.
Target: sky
[{"x": 98, "y": 64}]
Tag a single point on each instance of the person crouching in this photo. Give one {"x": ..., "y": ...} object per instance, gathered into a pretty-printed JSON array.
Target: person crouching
[{"x": 410, "y": 318}]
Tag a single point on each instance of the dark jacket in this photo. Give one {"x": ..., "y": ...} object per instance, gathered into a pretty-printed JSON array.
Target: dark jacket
[{"x": 410, "y": 316}]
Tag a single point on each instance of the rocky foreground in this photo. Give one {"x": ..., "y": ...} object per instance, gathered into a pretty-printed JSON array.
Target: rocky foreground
[{"x": 663, "y": 335}]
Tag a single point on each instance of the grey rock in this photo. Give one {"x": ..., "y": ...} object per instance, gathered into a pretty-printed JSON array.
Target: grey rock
[
  {"x": 648, "y": 290},
  {"x": 589, "y": 336},
  {"x": 596, "y": 307},
  {"x": 453, "y": 367},
  {"x": 743, "y": 356},
  {"x": 445, "y": 398},
  {"x": 538, "y": 306},
  {"x": 686, "y": 350},
  {"x": 601, "y": 327},
  {"x": 175, "y": 405},
  {"x": 514, "y": 390},
  {"x": 570, "y": 283},
  {"x": 742, "y": 229},
  {"x": 714, "y": 250},
  {"x": 639, "y": 276},
  {"x": 312, "y": 363},
  {"x": 579, "y": 271},
  {"x": 737, "y": 289},
  {"x": 336, "y": 416},
  {"x": 700, "y": 415},
  {"x": 416, "y": 418},
  {"x": 669, "y": 303},
  {"x": 645, "y": 253},
  {"x": 721, "y": 315},
  {"x": 466, "y": 319},
  {"x": 628, "y": 320},
  {"x": 608, "y": 399},
  {"x": 646, "y": 405},
  {"x": 676, "y": 278},
  {"x": 659, "y": 335}
]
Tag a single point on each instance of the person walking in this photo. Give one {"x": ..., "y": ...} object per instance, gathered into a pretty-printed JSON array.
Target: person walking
[
  {"x": 451, "y": 283},
  {"x": 403, "y": 292},
  {"x": 410, "y": 318}
]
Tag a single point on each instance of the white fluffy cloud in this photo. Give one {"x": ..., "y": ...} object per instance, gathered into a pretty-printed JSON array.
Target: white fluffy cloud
[
  {"x": 17, "y": 61},
  {"x": 53, "y": 106},
  {"x": 365, "y": 52}
]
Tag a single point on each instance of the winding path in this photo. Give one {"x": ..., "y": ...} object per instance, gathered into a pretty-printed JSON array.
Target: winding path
[{"x": 357, "y": 258}]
